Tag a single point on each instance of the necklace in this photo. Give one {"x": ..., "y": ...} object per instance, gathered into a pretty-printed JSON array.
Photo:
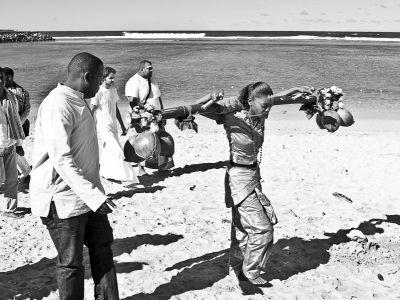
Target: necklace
[{"x": 257, "y": 128}]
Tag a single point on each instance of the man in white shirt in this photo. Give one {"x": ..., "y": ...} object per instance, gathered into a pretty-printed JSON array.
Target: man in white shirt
[
  {"x": 65, "y": 189},
  {"x": 11, "y": 135},
  {"x": 142, "y": 90}
]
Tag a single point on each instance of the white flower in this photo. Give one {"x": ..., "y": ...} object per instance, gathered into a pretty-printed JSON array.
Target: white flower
[
  {"x": 143, "y": 122},
  {"x": 147, "y": 115},
  {"x": 240, "y": 114},
  {"x": 340, "y": 105},
  {"x": 336, "y": 90}
]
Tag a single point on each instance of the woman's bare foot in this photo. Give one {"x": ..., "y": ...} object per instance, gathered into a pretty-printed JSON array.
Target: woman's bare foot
[{"x": 256, "y": 281}]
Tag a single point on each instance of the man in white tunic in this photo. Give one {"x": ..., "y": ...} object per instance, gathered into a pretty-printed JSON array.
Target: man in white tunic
[
  {"x": 105, "y": 108},
  {"x": 65, "y": 188}
]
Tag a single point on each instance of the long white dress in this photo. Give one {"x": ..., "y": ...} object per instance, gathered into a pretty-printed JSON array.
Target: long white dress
[{"x": 112, "y": 159}]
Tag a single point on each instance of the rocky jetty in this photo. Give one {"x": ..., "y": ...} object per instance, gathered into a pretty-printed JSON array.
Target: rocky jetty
[{"x": 10, "y": 36}]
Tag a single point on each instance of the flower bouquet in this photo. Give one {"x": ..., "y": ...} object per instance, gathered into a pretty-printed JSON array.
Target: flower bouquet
[
  {"x": 146, "y": 117},
  {"x": 329, "y": 108}
]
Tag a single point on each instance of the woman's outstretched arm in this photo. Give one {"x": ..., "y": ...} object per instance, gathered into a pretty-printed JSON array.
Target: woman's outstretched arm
[{"x": 294, "y": 95}]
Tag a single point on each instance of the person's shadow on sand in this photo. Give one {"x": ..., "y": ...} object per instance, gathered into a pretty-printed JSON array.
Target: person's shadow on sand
[
  {"x": 289, "y": 257},
  {"x": 148, "y": 181},
  {"x": 159, "y": 176},
  {"x": 38, "y": 280}
]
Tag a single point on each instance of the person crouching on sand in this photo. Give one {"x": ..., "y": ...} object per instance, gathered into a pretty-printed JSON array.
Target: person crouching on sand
[{"x": 252, "y": 213}]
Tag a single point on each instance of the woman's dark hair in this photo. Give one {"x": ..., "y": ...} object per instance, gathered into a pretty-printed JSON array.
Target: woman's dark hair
[
  {"x": 253, "y": 90},
  {"x": 107, "y": 71},
  {"x": 8, "y": 71}
]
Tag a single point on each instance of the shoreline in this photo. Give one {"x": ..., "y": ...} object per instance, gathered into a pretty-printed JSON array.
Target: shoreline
[{"x": 259, "y": 41}]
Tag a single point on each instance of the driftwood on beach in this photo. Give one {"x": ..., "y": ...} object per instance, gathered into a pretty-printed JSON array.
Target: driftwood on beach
[{"x": 10, "y": 36}]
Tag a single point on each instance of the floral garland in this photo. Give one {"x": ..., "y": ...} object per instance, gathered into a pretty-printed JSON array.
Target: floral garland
[
  {"x": 330, "y": 98},
  {"x": 329, "y": 108},
  {"x": 145, "y": 117}
]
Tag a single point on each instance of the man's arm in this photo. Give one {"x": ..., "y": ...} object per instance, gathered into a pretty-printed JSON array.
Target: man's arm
[
  {"x": 119, "y": 118},
  {"x": 94, "y": 102},
  {"x": 59, "y": 122}
]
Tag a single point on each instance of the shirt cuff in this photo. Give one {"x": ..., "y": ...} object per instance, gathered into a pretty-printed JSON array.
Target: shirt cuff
[{"x": 94, "y": 205}]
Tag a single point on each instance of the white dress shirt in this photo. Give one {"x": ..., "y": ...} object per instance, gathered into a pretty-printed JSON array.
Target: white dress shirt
[{"x": 66, "y": 131}]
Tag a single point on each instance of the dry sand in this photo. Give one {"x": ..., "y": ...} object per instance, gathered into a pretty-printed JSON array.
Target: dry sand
[{"x": 172, "y": 233}]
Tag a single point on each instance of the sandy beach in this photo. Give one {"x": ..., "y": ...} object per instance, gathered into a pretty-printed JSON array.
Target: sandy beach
[{"x": 172, "y": 232}]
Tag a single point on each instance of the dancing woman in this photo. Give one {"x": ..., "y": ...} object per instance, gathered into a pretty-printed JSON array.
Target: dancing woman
[{"x": 253, "y": 218}]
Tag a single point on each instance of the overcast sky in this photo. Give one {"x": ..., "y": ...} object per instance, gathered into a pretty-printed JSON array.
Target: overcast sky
[{"x": 312, "y": 15}]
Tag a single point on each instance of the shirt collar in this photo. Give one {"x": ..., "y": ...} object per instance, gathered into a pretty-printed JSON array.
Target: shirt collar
[{"x": 68, "y": 90}]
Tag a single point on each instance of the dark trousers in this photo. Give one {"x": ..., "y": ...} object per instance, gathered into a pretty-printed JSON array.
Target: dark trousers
[{"x": 69, "y": 235}]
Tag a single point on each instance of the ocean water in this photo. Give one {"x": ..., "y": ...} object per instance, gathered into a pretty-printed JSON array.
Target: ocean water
[{"x": 186, "y": 69}]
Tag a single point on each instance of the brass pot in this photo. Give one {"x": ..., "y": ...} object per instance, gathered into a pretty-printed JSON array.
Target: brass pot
[
  {"x": 167, "y": 143},
  {"x": 331, "y": 120},
  {"x": 143, "y": 146},
  {"x": 346, "y": 117}
]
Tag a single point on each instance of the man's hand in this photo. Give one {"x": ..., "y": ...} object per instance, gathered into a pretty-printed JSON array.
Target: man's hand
[
  {"x": 106, "y": 207},
  {"x": 20, "y": 151}
]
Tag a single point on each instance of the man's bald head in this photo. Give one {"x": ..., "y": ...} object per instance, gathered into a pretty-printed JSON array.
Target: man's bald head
[
  {"x": 81, "y": 63},
  {"x": 145, "y": 69},
  {"x": 85, "y": 73}
]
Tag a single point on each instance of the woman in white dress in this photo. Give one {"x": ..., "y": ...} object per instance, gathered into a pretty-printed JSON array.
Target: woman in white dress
[{"x": 105, "y": 109}]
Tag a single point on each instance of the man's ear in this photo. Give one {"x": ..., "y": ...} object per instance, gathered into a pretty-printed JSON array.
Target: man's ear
[{"x": 87, "y": 76}]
